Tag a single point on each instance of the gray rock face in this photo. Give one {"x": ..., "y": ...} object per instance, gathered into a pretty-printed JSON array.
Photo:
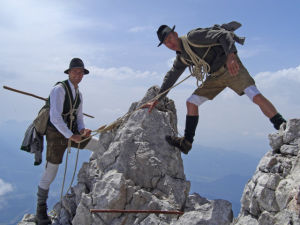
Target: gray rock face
[
  {"x": 136, "y": 169},
  {"x": 269, "y": 197}
]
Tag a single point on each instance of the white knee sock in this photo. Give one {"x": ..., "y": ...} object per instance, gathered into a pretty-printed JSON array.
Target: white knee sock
[
  {"x": 196, "y": 99},
  {"x": 251, "y": 92},
  {"x": 48, "y": 175}
]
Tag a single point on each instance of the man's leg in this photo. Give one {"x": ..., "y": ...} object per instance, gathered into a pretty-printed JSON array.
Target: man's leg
[
  {"x": 185, "y": 143},
  {"x": 265, "y": 105},
  {"x": 56, "y": 146},
  {"x": 191, "y": 121},
  {"x": 42, "y": 194}
]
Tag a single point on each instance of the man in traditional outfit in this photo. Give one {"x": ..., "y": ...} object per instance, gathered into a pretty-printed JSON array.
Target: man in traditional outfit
[
  {"x": 212, "y": 57},
  {"x": 65, "y": 129}
]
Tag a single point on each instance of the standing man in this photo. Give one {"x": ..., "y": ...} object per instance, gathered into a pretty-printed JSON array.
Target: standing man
[
  {"x": 209, "y": 53},
  {"x": 65, "y": 125}
]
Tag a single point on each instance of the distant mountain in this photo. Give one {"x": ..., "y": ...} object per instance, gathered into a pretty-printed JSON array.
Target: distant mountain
[
  {"x": 208, "y": 163},
  {"x": 229, "y": 187},
  {"x": 219, "y": 174}
]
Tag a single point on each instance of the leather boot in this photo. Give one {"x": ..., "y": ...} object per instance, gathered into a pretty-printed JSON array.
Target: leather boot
[
  {"x": 41, "y": 209},
  {"x": 181, "y": 143}
]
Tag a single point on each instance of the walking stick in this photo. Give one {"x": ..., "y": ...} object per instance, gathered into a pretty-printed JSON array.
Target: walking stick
[{"x": 35, "y": 96}]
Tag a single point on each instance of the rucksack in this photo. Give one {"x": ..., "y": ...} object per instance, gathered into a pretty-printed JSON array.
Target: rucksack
[{"x": 42, "y": 119}]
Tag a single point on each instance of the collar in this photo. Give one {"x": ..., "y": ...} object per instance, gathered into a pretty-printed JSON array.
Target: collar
[
  {"x": 74, "y": 91},
  {"x": 181, "y": 47}
]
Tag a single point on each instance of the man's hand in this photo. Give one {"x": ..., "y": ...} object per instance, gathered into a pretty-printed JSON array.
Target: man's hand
[
  {"x": 150, "y": 105},
  {"x": 232, "y": 64},
  {"x": 76, "y": 138},
  {"x": 85, "y": 132}
]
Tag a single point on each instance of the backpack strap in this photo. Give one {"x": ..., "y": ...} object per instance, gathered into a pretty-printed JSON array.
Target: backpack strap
[{"x": 72, "y": 105}]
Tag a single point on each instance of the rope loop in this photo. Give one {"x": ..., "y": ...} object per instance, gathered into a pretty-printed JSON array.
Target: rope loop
[{"x": 200, "y": 68}]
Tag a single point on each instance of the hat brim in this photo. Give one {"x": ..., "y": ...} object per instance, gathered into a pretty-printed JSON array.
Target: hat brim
[
  {"x": 84, "y": 70},
  {"x": 173, "y": 28}
]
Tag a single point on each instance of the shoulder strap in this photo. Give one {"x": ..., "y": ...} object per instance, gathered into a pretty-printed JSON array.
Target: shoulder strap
[
  {"x": 70, "y": 96},
  {"x": 201, "y": 46}
]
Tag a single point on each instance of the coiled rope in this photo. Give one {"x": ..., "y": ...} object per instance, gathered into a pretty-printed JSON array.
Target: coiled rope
[{"x": 200, "y": 70}]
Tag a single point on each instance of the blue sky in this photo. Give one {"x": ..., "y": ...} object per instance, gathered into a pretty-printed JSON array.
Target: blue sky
[{"x": 117, "y": 41}]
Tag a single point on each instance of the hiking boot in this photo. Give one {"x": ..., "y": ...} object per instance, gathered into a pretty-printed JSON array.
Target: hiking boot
[
  {"x": 181, "y": 143},
  {"x": 42, "y": 217},
  {"x": 41, "y": 207}
]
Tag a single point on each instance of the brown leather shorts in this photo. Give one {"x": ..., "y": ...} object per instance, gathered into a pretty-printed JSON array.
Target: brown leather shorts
[
  {"x": 57, "y": 144},
  {"x": 221, "y": 79}
]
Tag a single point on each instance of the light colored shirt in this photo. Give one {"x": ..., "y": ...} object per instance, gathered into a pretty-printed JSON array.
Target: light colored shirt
[{"x": 57, "y": 97}]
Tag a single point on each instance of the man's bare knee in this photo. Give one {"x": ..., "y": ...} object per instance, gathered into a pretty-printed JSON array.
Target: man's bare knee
[
  {"x": 258, "y": 99},
  {"x": 192, "y": 109}
]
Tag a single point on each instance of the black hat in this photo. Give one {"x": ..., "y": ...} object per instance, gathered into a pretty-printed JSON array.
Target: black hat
[
  {"x": 162, "y": 32},
  {"x": 76, "y": 63}
]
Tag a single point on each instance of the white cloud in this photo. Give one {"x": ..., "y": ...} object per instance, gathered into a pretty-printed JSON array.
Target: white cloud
[
  {"x": 140, "y": 29},
  {"x": 122, "y": 73},
  {"x": 269, "y": 78},
  {"x": 5, "y": 187}
]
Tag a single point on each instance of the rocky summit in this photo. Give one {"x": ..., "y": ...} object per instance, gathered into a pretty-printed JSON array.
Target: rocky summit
[
  {"x": 269, "y": 198},
  {"x": 136, "y": 169}
]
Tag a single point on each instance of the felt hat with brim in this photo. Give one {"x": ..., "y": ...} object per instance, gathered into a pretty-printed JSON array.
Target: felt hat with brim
[
  {"x": 76, "y": 63},
  {"x": 162, "y": 32}
]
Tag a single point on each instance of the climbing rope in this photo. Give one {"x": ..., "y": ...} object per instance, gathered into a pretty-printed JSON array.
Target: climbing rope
[
  {"x": 118, "y": 122},
  {"x": 200, "y": 70},
  {"x": 71, "y": 113}
]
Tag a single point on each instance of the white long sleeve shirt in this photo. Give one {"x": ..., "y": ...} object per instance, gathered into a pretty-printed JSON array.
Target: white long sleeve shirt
[{"x": 57, "y": 97}]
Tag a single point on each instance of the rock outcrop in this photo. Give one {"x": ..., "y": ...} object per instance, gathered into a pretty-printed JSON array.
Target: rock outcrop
[
  {"x": 135, "y": 169},
  {"x": 269, "y": 198}
]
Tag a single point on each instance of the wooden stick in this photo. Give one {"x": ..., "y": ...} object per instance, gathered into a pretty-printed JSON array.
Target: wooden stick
[
  {"x": 24, "y": 93},
  {"x": 35, "y": 96},
  {"x": 134, "y": 211}
]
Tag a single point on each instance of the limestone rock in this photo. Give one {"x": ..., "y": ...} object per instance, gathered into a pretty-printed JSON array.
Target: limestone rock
[
  {"x": 269, "y": 197},
  {"x": 136, "y": 169}
]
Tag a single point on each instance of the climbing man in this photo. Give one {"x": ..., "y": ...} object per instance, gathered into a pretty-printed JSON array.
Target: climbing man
[
  {"x": 65, "y": 128},
  {"x": 211, "y": 56}
]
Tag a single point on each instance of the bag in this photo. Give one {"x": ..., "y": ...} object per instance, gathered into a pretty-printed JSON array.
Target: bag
[{"x": 41, "y": 121}]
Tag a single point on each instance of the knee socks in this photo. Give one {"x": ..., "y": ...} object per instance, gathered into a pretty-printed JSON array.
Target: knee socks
[
  {"x": 190, "y": 127},
  {"x": 277, "y": 120}
]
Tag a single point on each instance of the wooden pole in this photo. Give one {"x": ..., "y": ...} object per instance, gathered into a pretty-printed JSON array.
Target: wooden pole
[
  {"x": 35, "y": 96},
  {"x": 134, "y": 211}
]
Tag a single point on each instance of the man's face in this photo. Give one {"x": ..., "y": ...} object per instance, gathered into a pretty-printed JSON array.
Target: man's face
[
  {"x": 76, "y": 75},
  {"x": 172, "y": 41}
]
